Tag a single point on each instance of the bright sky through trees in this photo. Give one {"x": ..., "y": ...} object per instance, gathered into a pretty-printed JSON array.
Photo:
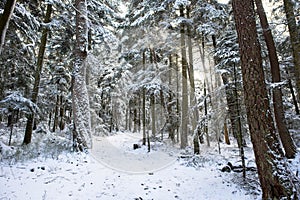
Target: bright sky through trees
[{"x": 223, "y": 1}]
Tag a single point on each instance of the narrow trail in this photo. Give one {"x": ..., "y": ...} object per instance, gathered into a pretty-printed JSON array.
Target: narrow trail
[
  {"x": 117, "y": 172},
  {"x": 117, "y": 152}
]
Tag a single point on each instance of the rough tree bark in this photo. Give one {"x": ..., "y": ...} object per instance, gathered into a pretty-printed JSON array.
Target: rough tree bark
[
  {"x": 4, "y": 20},
  {"x": 286, "y": 139},
  {"x": 38, "y": 71},
  {"x": 80, "y": 100},
  {"x": 275, "y": 179}
]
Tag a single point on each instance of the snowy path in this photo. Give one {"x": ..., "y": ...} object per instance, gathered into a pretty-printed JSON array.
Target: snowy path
[
  {"x": 82, "y": 177},
  {"x": 117, "y": 153}
]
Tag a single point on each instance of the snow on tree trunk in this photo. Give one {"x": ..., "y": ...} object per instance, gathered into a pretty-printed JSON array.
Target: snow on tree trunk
[
  {"x": 286, "y": 139},
  {"x": 276, "y": 180},
  {"x": 80, "y": 98}
]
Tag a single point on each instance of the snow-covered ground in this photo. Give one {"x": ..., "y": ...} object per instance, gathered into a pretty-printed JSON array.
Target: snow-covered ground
[{"x": 113, "y": 170}]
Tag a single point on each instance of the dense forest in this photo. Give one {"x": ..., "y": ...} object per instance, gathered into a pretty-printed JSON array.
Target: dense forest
[{"x": 191, "y": 74}]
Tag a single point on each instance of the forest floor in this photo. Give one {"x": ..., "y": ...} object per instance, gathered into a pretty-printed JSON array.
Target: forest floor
[{"x": 113, "y": 170}]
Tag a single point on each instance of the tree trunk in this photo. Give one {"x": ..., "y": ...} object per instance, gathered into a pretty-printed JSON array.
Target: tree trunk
[
  {"x": 80, "y": 97},
  {"x": 38, "y": 72},
  {"x": 273, "y": 176},
  {"x": 148, "y": 141},
  {"x": 206, "y": 116},
  {"x": 111, "y": 117},
  {"x": 184, "y": 103},
  {"x": 286, "y": 139},
  {"x": 193, "y": 100},
  {"x": 55, "y": 121},
  {"x": 130, "y": 117},
  {"x": 170, "y": 69},
  {"x": 231, "y": 105},
  {"x": 239, "y": 125},
  {"x": 226, "y": 135},
  {"x": 234, "y": 113},
  {"x": 153, "y": 120},
  {"x": 126, "y": 119},
  {"x": 216, "y": 100},
  {"x": 295, "y": 41},
  {"x": 177, "y": 97},
  {"x": 169, "y": 105},
  {"x": 152, "y": 98},
  {"x": 144, "y": 102},
  {"x": 14, "y": 119},
  {"x": 49, "y": 122},
  {"x": 135, "y": 116},
  {"x": 293, "y": 96},
  {"x": 162, "y": 114},
  {"x": 202, "y": 56},
  {"x": 139, "y": 114},
  {"x": 4, "y": 20},
  {"x": 61, "y": 114}
]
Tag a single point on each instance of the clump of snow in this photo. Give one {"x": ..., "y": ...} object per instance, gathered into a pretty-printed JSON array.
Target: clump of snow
[
  {"x": 44, "y": 144},
  {"x": 16, "y": 101},
  {"x": 181, "y": 3}
]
